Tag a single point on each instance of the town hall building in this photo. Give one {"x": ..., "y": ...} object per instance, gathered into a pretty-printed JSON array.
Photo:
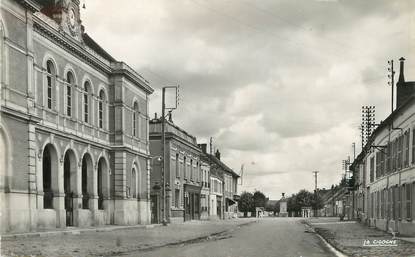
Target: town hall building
[{"x": 74, "y": 146}]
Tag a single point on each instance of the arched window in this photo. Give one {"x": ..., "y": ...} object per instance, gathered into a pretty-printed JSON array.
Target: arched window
[
  {"x": 191, "y": 169},
  {"x": 47, "y": 180},
  {"x": 134, "y": 183},
  {"x": 135, "y": 119},
  {"x": 186, "y": 176},
  {"x": 86, "y": 180},
  {"x": 86, "y": 101},
  {"x": 69, "y": 91},
  {"x": 101, "y": 101},
  {"x": 50, "y": 81},
  {"x": 49, "y": 164}
]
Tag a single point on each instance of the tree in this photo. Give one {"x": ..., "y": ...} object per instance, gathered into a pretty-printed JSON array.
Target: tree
[
  {"x": 304, "y": 198},
  {"x": 246, "y": 203},
  {"x": 292, "y": 205},
  {"x": 272, "y": 206},
  {"x": 259, "y": 200},
  {"x": 317, "y": 202}
]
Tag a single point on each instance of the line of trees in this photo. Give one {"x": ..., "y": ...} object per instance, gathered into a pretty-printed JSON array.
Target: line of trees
[
  {"x": 248, "y": 202},
  {"x": 304, "y": 198}
]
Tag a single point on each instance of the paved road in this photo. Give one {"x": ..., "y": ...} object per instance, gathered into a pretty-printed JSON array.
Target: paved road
[{"x": 269, "y": 237}]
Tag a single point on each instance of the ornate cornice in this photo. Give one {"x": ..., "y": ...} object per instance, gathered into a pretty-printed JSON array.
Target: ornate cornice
[
  {"x": 50, "y": 30},
  {"x": 46, "y": 30},
  {"x": 30, "y": 4},
  {"x": 123, "y": 69}
]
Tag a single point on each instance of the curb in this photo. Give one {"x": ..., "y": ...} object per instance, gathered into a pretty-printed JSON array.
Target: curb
[
  {"x": 332, "y": 247},
  {"x": 75, "y": 231},
  {"x": 82, "y": 230}
]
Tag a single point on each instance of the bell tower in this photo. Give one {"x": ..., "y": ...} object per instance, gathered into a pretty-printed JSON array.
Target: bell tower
[{"x": 67, "y": 14}]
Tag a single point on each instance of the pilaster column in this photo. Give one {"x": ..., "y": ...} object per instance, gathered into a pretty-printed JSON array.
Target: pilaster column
[
  {"x": 59, "y": 197},
  {"x": 39, "y": 178},
  {"x": 32, "y": 175},
  {"x": 93, "y": 196},
  {"x": 77, "y": 196}
]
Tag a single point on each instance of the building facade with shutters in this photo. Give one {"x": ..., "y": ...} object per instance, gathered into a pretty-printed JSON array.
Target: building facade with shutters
[
  {"x": 74, "y": 147},
  {"x": 385, "y": 169},
  {"x": 223, "y": 194},
  {"x": 182, "y": 171}
]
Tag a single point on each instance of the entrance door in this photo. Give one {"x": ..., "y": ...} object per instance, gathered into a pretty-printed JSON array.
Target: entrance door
[
  {"x": 68, "y": 192},
  {"x": 219, "y": 209},
  {"x": 154, "y": 209},
  {"x": 192, "y": 206}
]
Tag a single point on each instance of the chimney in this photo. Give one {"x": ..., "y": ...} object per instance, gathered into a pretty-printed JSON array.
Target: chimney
[
  {"x": 404, "y": 90},
  {"x": 401, "y": 70},
  {"x": 217, "y": 154},
  {"x": 203, "y": 147}
]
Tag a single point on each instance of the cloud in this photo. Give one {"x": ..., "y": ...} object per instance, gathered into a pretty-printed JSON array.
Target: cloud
[{"x": 279, "y": 83}]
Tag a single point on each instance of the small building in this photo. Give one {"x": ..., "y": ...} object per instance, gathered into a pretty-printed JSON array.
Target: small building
[
  {"x": 183, "y": 174},
  {"x": 220, "y": 172},
  {"x": 205, "y": 190}
]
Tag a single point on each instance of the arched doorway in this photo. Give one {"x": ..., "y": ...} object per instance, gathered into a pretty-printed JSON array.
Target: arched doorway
[
  {"x": 69, "y": 185},
  {"x": 86, "y": 180},
  {"x": 3, "y": 163},
  {"x": 4, "y": 182},
  {"x": 102, "y": 179},
  {"x": 133, "y": 183},
  {"x": 50, "y": 170}
]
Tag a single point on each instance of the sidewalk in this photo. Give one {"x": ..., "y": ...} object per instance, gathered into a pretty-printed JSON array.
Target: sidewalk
[
  {"x": 348, "y": 237},
  {"x": 112, "y": 240}
]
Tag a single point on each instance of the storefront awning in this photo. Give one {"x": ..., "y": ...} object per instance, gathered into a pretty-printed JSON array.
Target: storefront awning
[{"x": 230, "y": 201}]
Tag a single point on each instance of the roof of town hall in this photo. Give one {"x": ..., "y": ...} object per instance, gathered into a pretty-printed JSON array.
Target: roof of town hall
[{"x": 92, "y": 46}]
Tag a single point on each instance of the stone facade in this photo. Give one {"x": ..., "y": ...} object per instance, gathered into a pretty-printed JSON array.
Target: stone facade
[
  {"x": 205, "y": 190},
  {"x": 74, "y": 145},
  {"x": 384, "y": 195},
  {"x": 183, "y": 174},
  {"x": 223, "y": 192}
]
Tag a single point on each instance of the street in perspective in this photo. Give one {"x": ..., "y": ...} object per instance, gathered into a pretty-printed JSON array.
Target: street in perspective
[{"x": 207, "y": 128}]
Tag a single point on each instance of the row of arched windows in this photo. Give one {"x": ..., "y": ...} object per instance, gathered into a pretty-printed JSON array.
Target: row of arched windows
[{"x": 69, "y": 93}]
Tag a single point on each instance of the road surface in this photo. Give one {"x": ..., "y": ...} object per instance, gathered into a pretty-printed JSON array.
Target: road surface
[{"x": 268, "y": 237}]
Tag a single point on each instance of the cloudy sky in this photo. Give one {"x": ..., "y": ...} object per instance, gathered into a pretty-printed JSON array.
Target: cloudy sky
[{"x": 277, "y": 84}]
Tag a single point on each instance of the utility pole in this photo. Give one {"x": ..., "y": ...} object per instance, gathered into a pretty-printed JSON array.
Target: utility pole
[
  {"x": 315, "y": 180},
  {"x": 391, "y": 83},
  {"x": 163, "y": 150},
  {"x": 368, "y": 122},
  {"x": 163, "y": 147},
  {"x": 354, "y": 150},
  {"x": 211, "y": 145},
  {"x": 315, "y": 192}
]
